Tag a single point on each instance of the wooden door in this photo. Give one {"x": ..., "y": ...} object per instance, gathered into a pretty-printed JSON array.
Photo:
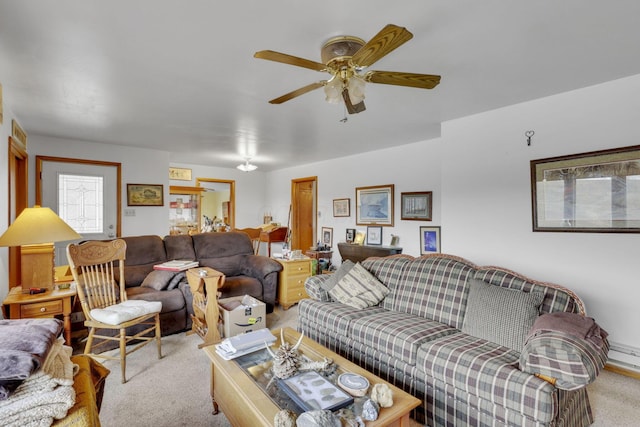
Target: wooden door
[{"x": 303, "y": 212}]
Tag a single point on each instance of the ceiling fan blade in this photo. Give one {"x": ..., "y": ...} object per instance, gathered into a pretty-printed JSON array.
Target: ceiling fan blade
[
  {"x": 422, "y": 81},
  {"x": 388, "y": 39},
  {"x": 297, "y": 92},
  {"x": 352, "y": 109},
  {"x": 289, "y": 59}
]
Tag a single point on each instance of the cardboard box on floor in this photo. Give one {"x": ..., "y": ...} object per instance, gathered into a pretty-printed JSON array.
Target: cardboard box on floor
[{"x": 242, "y": 314}]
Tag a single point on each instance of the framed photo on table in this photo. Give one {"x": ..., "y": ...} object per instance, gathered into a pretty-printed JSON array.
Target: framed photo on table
[
  {"x": 374, "y": 235},
  {"x": 350, "y": 235},
  {"x": 327, "y": 236},
  {"x": 429, "y": 240},
  {"x": 145, "y": 195},
  {"x": 374, "y": 205},
  {"x": 416, "y": 206},
  {"x": 341, "y": 207}
]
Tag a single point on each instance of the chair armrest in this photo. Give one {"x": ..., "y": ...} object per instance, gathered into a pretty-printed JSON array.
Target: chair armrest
[
  {"x": 313, "y": 286},
  {"x": 266, "y": 271}
]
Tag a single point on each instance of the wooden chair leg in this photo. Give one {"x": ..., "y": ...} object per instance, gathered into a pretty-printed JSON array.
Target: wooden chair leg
[
  {"x": 87, "y": 346},
  {"x": 123, "y": 353},
  {"x": 158, "y": 335}
]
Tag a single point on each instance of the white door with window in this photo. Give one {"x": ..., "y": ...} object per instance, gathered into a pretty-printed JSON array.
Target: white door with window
[{"x": 85, "y": 196}]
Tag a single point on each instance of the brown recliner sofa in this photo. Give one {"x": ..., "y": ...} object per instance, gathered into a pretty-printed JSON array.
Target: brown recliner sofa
[{"x": 230, "y": 253}]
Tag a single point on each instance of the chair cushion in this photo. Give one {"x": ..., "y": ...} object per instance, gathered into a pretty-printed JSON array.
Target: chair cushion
[{"x": 125, "y": 311}]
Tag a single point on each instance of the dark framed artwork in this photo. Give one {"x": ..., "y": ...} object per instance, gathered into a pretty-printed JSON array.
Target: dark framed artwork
[
  {"x": 341, "y": 207},
  {"x": 374, "y": 235},
  {"x": 327, "y": 236},
  {"x": 145, "y": 195},
  {"x": 597, "y": 192},
  {"x": 416, "y": 205},
  {"x": 374, "y": 205},
  {"x": 350, "y": 235},
  {"x": 429, "y": 240}
]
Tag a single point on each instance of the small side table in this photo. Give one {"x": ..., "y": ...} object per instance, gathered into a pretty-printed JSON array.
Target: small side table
[
  {"x": 204, "y": 289},
  {"x": 319, "y": 255},
  {"x": 48, "y": 304}
]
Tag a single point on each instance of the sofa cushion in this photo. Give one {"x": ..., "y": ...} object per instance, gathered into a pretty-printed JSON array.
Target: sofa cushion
[
  {"x": 171, "y": 300},
  {"x": 334, "y": 316},
  {"x": 158, "y": 279},
  {"x": 488, "y": 371},
  {"x": 434, "y": 287},
  {"x": 334, "y": 278},
  {"x": 179, "y": 246},
  {"x": 499, "y": 314},
  {"x": 389, "y": 270},
  {"x": 359, "y": 288},
  {"x": 397, "y": 334}
]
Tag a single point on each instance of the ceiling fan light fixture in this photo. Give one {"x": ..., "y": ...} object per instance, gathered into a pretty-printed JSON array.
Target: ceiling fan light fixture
[
  {"x": 246, "y": 166},
  {"x": 356, "y": 89},
  {"x": 333, "y": 90}
]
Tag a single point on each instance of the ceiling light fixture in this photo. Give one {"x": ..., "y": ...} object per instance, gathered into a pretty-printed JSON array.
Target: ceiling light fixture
[{"x": 246, "y": 166}]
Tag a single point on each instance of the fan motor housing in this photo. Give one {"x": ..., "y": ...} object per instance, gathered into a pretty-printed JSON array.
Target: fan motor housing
[{"x": 340, "y": 49}]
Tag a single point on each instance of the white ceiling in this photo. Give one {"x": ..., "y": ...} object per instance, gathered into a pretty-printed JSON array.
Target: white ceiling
[{"x": 180, "y": 75}]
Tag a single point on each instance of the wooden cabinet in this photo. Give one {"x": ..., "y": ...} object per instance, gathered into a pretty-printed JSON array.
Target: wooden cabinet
[
  {"x": 292, "y": 277},
  {"x": 320, "y": 255},
  {"x": 357, "y": 253},
  {"x": 184, "y": 209}
]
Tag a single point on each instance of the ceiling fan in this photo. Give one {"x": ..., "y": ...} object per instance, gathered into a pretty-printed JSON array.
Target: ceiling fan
[{"x": 345, "y": 58}]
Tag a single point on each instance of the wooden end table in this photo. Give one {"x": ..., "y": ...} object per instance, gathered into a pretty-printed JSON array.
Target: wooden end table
[
  {"x": 205, "y": 303},
  {"x": 48, "y": 304}
]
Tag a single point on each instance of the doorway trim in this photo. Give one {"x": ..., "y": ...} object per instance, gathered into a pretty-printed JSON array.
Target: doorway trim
[
  {"x": 232, "y": 196},
  {"x": 39, "y": 164},
  {"x": 18, "y": 199}
]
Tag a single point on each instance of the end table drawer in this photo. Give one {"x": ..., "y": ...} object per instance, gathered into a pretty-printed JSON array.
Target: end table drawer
[
  {"x": 47, "y": 308},
  {"x": 296, "y": 268}
]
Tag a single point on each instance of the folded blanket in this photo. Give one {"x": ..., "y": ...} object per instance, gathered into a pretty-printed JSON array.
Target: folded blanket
[
  {"x": 24, "y": 345},
  {"x": 569, "y": 348}
]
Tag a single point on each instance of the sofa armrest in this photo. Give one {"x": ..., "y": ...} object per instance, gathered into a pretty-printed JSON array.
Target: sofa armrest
[
  {"x": 559, "y": 355},
  {"x": 266, "y": 271},
  {"x": 313, "y": 286}
]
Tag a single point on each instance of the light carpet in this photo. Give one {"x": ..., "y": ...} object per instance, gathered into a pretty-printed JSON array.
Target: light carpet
[{"x": 174, "y": 391}]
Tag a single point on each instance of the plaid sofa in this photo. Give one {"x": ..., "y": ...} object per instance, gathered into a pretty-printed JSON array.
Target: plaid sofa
[{"x": 413, "y": 339}]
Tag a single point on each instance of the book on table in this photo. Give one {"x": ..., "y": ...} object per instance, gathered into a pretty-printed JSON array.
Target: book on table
[{"x": 176, "y": 265}]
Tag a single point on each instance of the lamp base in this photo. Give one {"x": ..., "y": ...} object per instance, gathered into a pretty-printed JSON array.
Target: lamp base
[{"x": 37, "y": 266}]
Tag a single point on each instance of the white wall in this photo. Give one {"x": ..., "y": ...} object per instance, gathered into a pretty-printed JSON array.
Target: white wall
[
  {"x": 5, "y": 132},
  {"x": 413, "y": 167},
  {"x": 486, "y": 211}
]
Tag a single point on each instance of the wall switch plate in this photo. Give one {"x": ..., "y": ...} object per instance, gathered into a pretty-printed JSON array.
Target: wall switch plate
[{"x": 129, "y": 212}]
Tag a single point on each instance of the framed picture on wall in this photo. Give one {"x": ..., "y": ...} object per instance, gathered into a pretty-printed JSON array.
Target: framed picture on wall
[
  {"x": 145, "y": 195},
  {"x": 341, "y": 207},
  {"x": 416, "y": 206},
  {"x": 374, "y": 205},
  {"x": 429, "y": 240},
  {"x": 374, "y": 235}
]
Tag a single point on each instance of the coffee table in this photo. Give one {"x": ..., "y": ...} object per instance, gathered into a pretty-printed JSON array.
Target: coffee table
[{"x": 245, "y": 403}]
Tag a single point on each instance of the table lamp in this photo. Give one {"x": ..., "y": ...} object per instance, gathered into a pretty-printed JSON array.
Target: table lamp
[{"x": 35, "y": 230}]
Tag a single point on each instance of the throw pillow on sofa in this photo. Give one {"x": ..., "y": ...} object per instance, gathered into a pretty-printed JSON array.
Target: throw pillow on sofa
[
  {"x": 359, "y": 288},
  {"x": 333, "y": 280},
  {"x": 158, "y": 279},
  {"x": 500, "y": 315}
]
